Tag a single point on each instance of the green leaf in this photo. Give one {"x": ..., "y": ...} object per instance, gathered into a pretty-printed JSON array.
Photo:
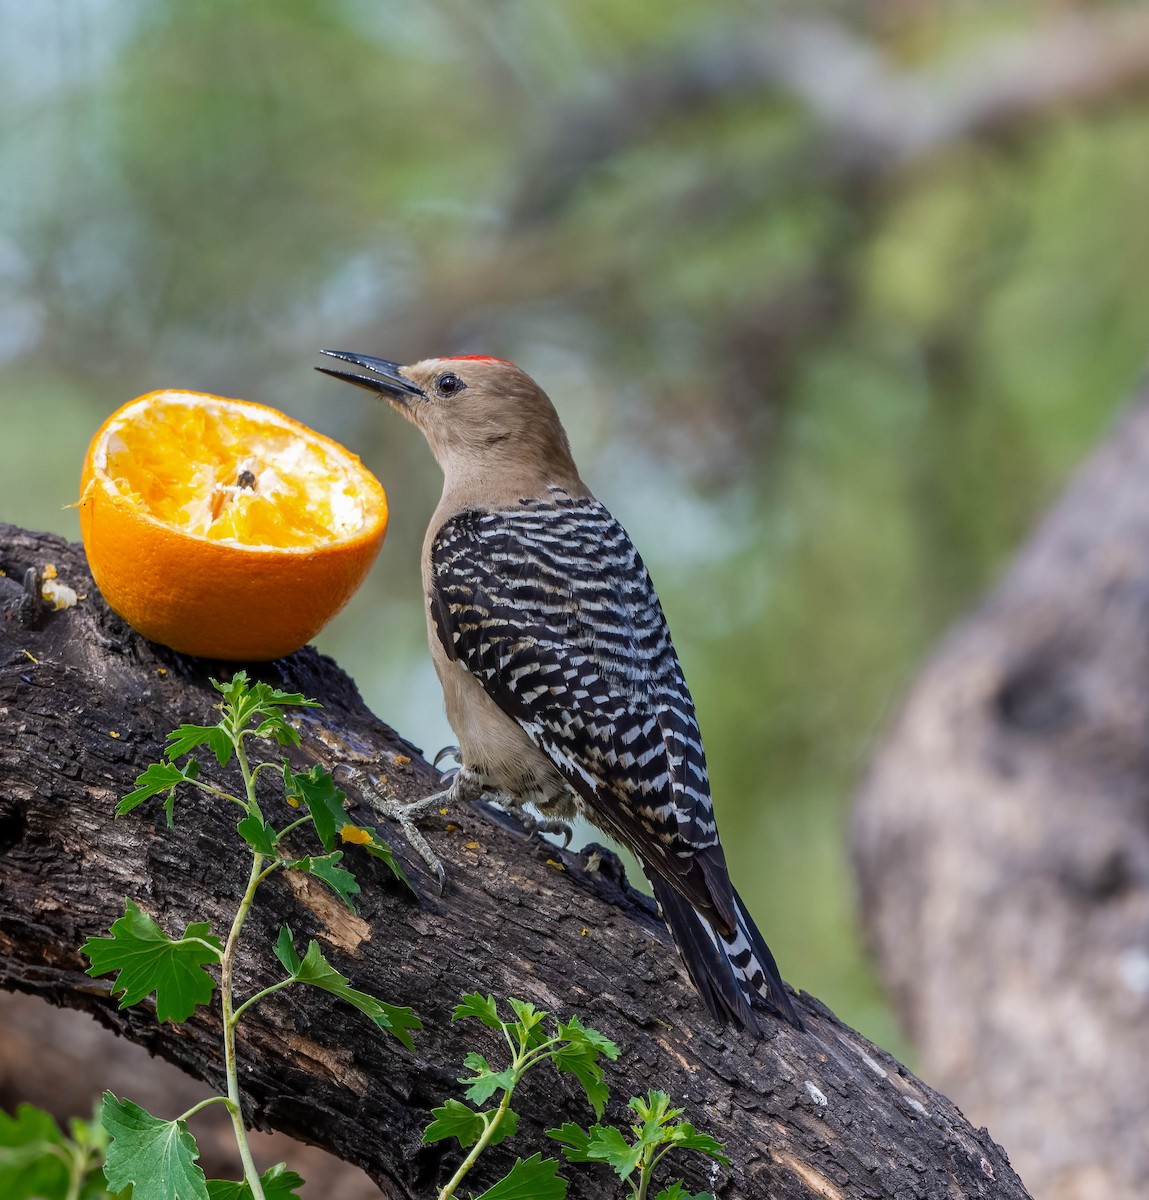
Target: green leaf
[
  {"x": 267, "y": 697},
  {"x": 278, "y": 1184},
  {"x": 687, "y": 1137},
  {"x": 455, "y": 1120},
  {"x": 156, "y": 1159},
  {"x": 233, "y": 690},
  {"x": 481, "y": 1007},
  {"x": 324, "y": 800},
  {"x": 35, "y": 1157},
  {"x": 149, "y": 961},
  {"x": 278, "y": 729},
  {"x": 337, "y": 878},
  {"x": 535, "y": 1178},
  {"x": 574, "y": 1139},
  {"x": 158, "y": 778},
  {"x": 258, "y": 834},
  {"x": 508, "y": 1127},
  {"x": 286, "y": 953},
  {"x": 185, "y": 739},
  {"x": 247, "y": 699},
  {"x": 580, "y": 1059},
  {"x": 579, "y": 1056},
  {"x": 485, "y": 1082},
  {"x": 528, "y": 1015},
  {"x": 575, "y": 1031},
  {"x": 314, "y": 969},
  {"x": 30, "y": 1125},
  {"x": 677, "y": 1192},
  {"x": 381, "y": 850},
  {"x": 29, "y": 1167},
  {"x": 653, "y": 1108},
  {"x": 529, "y": 1019},
  {"x": 240, "y": 698},
  {"x": 660, "y": 1127},
  {"x": 654, "y": 1111},
  {"x": 244, "y": 701},
  {"x": 609, "y": 1146}
]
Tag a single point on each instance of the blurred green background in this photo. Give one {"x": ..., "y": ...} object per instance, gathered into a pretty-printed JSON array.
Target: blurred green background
[{"x": 831, "y": 299}]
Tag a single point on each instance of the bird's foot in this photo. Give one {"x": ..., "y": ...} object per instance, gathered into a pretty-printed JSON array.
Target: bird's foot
[
  {"x": 530, "y": 822},
  {"x": 448, "y": 752},
  {"x": 464, "y": 788},
  {"x": 541, "y": 825}
]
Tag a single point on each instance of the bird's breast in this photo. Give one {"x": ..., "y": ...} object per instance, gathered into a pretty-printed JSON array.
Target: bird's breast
[{"x": 495, "y": 747}]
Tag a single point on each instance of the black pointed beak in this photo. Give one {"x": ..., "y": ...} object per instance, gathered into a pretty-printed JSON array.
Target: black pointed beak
[{"x": 385, "y": 376}]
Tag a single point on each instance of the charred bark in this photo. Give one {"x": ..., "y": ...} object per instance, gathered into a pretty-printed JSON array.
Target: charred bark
[{"x": 85, "y": 705}]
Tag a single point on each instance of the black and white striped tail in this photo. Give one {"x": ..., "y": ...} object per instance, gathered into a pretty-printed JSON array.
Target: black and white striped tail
[{"x": 736, "y": 977}]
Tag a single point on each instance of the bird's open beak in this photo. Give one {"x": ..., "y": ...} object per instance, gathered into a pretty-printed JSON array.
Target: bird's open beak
[{"x": 385, "y": 377}]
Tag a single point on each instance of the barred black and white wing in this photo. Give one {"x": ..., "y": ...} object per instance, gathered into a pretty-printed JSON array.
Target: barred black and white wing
[{"x": 550, "y": 607}]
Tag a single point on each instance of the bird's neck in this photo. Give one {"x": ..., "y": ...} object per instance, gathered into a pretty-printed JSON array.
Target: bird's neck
[{"x": 476, "y": 485}]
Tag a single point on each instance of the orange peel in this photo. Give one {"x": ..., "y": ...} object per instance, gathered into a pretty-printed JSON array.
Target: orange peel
[{"x": 223, "y": 528}]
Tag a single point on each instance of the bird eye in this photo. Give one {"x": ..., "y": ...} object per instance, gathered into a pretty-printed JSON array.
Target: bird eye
[{"x": 448, "y": 384}]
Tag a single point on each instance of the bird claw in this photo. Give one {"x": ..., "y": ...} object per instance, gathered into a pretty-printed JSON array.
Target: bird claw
[
  {"x": 531, "y": 823},
  {"x": 464, "y": 787},
  {"x": 446, "y": 752},
  {"x": 541, "y": 825}
]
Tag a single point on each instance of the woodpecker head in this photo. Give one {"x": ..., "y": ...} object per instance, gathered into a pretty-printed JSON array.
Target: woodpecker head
[{"x": 480, "y": 416}]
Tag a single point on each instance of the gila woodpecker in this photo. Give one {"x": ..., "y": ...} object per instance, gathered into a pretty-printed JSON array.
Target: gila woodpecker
[{"x": 560, "y": 679}]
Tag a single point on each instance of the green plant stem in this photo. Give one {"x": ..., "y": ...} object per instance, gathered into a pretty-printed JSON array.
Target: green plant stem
[
  {"x": 643, "y": 1182},
  {"x": 646, "y": 1173},
  {"x": 214, "y": 791},
  {"x": 194, "y": 941},
  {"x": 289, "y": 829},
  {"x": 250, "y": 1173},
  {"x": 77, "y": 1169},
  {"x": 74, "y": 1157},
  {"x": 229, "y": 1022},
  {"x": 522, "y": 1060},
  {"x": 267, "y": 991},
  {"x": 479, "y": 1146},
  {"x": 191, "y": 1112}
]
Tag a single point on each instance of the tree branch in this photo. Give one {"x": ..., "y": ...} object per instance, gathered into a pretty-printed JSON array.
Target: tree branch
[
  {"x": 1002, "y": 839},
  {"x": 86, "y": 704},
  {"x": 870, "y": 116}
]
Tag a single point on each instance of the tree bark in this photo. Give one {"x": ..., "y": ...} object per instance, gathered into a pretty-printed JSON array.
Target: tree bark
[
  {"x": 85, "y": 705},
  {"x": 1002, "y": 843}
]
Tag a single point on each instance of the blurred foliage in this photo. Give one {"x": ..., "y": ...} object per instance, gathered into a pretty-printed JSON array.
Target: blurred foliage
[{"x": 828, "y": 400}]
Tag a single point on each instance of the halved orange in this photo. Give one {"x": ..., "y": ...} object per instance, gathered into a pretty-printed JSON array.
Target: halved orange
[{"x": 223, "y": 528}]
